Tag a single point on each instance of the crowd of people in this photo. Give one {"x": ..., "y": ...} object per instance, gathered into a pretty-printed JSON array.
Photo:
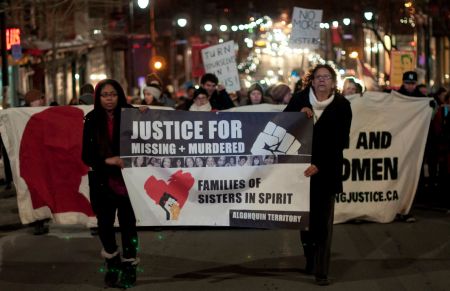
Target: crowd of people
[{"x": 317, "y": 95}]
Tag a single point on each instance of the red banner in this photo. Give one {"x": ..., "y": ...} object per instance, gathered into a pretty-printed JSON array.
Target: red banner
[{"x": 197, "y": 63}]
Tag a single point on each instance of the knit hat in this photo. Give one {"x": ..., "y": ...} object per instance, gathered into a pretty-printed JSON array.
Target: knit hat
[
  {"x": 32, "y": 95},
  {"x": 254, "y": 87},
  {"x": 153, "y": 79},
  {"x": 199, "y": 91},
  {"x": 153, "y": 89}
]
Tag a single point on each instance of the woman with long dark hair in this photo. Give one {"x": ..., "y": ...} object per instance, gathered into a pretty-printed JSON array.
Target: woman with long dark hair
[{"x": 107, "y": 189}]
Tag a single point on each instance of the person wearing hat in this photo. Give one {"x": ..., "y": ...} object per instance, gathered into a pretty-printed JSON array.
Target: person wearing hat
[
  {"x": 201, "y": 101},
  {"x": 86, "y": 94},
  {"x": 164, "y": 98},
  {"x": 255, "y": 95},
  {"x": 151, "y": 94},
  {"x": 409, "y": 86},
  {"x": 34, "y": 98}
]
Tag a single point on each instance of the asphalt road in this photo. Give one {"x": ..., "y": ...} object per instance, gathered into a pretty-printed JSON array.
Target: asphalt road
[{"x": 365, "y": 256}]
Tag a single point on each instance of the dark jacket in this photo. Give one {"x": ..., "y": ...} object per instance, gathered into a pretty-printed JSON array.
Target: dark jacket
[
  {"x": 92, "y": 153},
  {"x": 220, "y": 100},
  {"x": 415, "y": 93},
  {"x": 330, "y": 136}
]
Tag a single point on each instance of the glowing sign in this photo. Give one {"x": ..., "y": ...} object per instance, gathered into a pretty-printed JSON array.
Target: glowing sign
[{"x": 12, "y": 37}]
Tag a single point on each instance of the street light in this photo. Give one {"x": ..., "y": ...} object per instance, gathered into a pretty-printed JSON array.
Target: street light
[
  {"x": 143, "y": 3},
  {"x": 346, "y": 21},
  {"x": 207, "y": 27},
  {"x": 368, "y": 15},
  {"x": 181, "y": 22}
]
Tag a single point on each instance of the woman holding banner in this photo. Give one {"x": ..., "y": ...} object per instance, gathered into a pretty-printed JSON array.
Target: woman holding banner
[
  {"x": 332, "y": 117},
  {"x": 108, "y": 193}
]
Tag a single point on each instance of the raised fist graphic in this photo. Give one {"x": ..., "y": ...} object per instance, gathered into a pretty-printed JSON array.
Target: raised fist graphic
[{"x": 275, "y": 140}]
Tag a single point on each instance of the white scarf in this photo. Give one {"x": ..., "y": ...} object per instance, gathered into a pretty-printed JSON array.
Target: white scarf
[
  {"x": 318, "y": 106},
  {"x": 206, "y": 107}
]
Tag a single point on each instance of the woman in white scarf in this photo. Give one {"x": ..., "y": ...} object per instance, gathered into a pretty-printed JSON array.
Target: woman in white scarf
[
  {"x": 201, "y": 101},
  {"x": 332, "y": 117}
]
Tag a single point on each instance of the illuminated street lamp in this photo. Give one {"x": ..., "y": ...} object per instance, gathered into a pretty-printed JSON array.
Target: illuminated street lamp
[
  {"x": 143, "y": 3},
  {"x": 181, "y": 22},
  {"x": 223, "y": 28},
  {"x": 158, "y": 65},
  {"x": 368, "y": 15},
  {"x": 353, "y": 55},
  {"x": 207, "y": 27},
  {"x": 346, "y": 21}
]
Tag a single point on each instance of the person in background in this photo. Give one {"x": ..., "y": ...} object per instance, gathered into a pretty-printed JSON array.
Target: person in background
[
  {"x": 186, "y": 101},
  {"x": 423, "y": 89},
  {"x": 429, "y": 175},
  {"x": 255, "y": 96},
  {"x": 108, "y": 193},
  {"x": 6, "y": 166},
  {"x": 351, "y": 87},
  {"x": 34, "y": 98},
  {"x": 441, "y": 128},
  {"x": 281, "y": 94},
  {"x": 409, "y": 86},
  {"x": 332, "y": 115},
  {"x": 201, "y": 101},
  {"x": 164, "y": 97},
  {"x": 298, "y": 86},
  {"x": 6, "y": 163},
  {"x": 86, "y": 94},
  {"x": 151, "y": 94},
  {"x": 218, "y": 96}
]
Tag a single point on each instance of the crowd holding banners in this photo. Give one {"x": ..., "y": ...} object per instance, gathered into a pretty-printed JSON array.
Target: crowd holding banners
[{"x": 57, "y": 153}]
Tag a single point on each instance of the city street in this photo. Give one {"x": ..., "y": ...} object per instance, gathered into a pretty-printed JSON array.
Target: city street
[{"x": 365, "y": 256}]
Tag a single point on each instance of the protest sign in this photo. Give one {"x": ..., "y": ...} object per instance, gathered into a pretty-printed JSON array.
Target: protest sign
[
  {"x": 305, "y": 28},
  {"x": 221, "y": 60}
]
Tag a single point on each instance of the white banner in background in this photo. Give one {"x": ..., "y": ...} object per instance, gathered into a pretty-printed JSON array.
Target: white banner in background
[{"x": 382, "y": 165}]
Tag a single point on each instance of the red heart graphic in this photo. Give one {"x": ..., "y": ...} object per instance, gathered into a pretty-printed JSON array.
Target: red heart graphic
[{"x": 178, "y": 187}]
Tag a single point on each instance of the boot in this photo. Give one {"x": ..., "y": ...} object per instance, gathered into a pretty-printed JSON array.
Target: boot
[
  {"x": 113, "y": 268},
  {"x": 128, "y": 276}
]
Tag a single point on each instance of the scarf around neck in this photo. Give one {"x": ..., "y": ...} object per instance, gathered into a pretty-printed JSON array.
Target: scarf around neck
[
  {"x": 206, "y": 107},
  {"x": 318, "y": 106}
]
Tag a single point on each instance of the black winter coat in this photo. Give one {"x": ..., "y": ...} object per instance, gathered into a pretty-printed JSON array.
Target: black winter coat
[
  {"x": 330, "y": 136},
  {"x": 92, "y": 154}
]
